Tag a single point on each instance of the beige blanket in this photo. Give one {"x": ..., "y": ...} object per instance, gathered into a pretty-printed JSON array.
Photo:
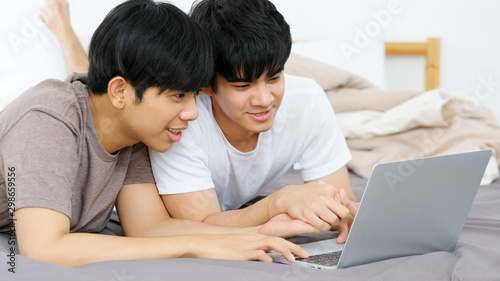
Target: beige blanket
[{"x": 382, "y": 126}]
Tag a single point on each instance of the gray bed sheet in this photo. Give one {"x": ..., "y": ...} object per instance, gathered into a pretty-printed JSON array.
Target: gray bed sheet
[{"x": 476, "y": 257}]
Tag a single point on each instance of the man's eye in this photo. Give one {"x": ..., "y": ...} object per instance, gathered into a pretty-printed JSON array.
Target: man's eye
[
  {"x": 275, "y": 78},
  {"x": 180, "y": 96}
]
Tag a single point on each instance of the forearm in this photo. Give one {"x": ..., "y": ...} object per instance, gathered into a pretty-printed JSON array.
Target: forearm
[
  {"x": 74, "y": 55},
  {"x": 42, "y": 234},
  {"x": 254, "y": 215},
  {"x": 279, "y": 226},
  {"x": 171, "y": 227},
  {"x": 81, "y": 248},
  {"x": 153, "y": 219}
]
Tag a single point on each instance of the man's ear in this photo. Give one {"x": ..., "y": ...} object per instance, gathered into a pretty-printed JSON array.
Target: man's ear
[
  {"x": 208, "y": 91},
  {"x": 116, "y": 91}
]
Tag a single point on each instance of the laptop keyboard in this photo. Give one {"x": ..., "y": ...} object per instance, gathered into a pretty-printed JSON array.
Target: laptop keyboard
[{"x": 328, "y": 259}]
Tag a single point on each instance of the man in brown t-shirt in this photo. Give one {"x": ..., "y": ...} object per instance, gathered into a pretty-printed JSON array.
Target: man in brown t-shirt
[{"x": 69, "y": 149}]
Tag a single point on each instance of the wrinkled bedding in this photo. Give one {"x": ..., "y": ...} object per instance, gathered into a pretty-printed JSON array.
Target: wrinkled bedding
[
  {"x": 383, "y": 126},
  {"x": 476, "y": 257}
]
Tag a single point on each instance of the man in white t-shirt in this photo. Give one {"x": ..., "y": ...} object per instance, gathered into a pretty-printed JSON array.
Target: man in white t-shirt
[{"x": 256, "y": 124}]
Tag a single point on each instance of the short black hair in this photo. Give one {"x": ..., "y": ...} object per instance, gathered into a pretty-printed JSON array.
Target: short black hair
[
  {"x": 150, "y": 44},
  {"x": 249, "y": 37}
]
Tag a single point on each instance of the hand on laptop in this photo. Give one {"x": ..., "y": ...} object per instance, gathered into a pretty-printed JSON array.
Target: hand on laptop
[
  {"x": 248, "y": 246},
  {"x": 344, "y": 226}
]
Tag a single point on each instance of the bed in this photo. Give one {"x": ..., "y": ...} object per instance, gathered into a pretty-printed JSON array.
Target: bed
[
  {"x": 354, "y": 96},
  {"x": 476, "y": 257}
]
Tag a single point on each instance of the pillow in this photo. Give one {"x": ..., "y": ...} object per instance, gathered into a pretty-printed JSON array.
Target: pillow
[{"x": 345, "y": 90}]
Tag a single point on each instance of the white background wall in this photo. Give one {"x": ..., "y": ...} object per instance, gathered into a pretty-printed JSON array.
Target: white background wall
[{"x": 469, "y": 32}]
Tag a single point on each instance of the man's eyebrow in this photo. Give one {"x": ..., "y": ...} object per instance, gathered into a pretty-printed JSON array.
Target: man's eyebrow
[
  {"x": 238, "y": 79},
  {"x": 246, "y": 80}
]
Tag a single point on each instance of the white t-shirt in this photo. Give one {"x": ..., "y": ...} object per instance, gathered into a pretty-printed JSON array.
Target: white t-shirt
[{"x": 305, "y": 136}]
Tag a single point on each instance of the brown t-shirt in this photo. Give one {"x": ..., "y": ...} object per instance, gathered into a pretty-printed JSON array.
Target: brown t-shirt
[{"x": 51, "y": 157}]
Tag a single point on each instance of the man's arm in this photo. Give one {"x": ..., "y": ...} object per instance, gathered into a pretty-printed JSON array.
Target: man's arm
[
  {"x": 55, "y": 14},
  {"x": 143, "y": 214},
  {"x": 340, "y": 179},
  {"x": 346, "y": 197},
  {"x": 43, "y": 234},
  {"x": 319, "y": 203}
]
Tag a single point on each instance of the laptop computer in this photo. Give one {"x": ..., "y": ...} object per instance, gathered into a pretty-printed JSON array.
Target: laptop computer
[{"x": 409, "y": 207}]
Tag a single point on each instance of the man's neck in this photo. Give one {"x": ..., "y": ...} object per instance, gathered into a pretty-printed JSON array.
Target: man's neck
[
  {"x": 244, "y": 144},
  {"x": 107, "y": 123}
]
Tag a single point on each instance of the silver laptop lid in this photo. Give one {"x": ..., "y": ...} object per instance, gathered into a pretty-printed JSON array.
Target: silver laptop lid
[{"x": 421, "y": 206}]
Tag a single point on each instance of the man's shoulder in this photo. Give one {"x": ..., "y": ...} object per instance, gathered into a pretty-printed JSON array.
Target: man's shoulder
[
  {"x": 52, "y": 94},
  {"x": 301, "y": 92},
  {"x": 203, "y": 102},
  {"x": 56, "y": 98},
  {"x": 300, "y": 84},
  {"x": 205, "y": 118}
]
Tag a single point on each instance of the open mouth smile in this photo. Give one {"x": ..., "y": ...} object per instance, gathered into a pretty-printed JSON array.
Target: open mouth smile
[
  {"x": 261, "y": 116},
  {"x": 175, "y": 135}
]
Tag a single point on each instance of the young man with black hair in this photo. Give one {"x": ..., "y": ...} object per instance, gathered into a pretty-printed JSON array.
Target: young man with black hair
[
  {"x": 241, "y": 144},
  {"x": 255, "y": 124},
  {"x": 69, "y": 149}
]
